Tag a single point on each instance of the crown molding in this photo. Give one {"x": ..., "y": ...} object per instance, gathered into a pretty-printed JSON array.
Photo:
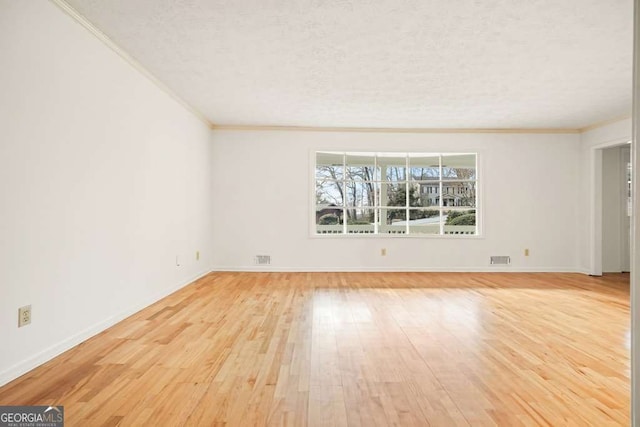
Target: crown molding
[
  {"x": 604, "y": 123},
  {"x": 392, "y": 130},
  {"x": 80, "y": 19}
]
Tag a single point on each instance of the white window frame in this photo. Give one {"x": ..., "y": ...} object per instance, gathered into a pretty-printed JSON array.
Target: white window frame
[{"x": 439, "y": 193}]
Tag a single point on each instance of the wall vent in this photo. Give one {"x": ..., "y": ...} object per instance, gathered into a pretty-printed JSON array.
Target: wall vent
[
  {"x": 262, "y": 260},
  {"x": 500, "y": 260}
]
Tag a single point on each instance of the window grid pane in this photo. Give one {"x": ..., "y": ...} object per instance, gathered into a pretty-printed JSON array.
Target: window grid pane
[{"x": 396, "y": 193}]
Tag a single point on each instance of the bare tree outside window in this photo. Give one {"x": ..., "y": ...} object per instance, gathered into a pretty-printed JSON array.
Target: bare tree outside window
[{"x": 395, "y": 193}]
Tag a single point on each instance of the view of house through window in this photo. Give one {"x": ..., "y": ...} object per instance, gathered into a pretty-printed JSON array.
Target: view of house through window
[{"x": 396, "y": 193}]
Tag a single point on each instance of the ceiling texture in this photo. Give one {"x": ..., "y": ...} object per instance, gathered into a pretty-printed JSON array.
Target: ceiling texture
[{"x": 429, "y": 64}]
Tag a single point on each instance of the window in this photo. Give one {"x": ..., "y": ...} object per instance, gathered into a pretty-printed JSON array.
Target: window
[{"x": 416, "y": 194}]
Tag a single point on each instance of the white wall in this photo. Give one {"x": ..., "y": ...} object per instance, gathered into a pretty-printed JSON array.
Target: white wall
[
  {"x": 263, "y": 180},
  {"x": 104, "y": 179},
  {"x": 591, "y": 145}
]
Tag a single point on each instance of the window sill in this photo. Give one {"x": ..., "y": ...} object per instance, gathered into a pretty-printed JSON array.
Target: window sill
[{"x": 398, "y": 236}]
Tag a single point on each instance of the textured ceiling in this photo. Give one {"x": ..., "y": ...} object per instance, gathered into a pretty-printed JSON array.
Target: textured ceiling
[{"x": 383, "y": 63}]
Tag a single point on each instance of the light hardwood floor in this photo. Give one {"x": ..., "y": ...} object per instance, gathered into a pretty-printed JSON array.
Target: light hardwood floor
[{"x": 357, "y": 349}]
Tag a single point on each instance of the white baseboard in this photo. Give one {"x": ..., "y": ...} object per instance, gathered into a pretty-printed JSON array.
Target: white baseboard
[
  {"x": 49, "y": 353},
  {"x": 484, "y": 269}
]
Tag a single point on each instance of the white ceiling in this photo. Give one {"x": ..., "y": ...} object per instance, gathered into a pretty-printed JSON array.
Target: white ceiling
[{"x": 383, "y": 63}]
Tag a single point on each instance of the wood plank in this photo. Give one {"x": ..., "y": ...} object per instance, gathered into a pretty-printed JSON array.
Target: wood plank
[{"x": 356, "y": 349}]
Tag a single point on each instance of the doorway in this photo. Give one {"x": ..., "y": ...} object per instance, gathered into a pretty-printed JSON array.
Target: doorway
[{"x": 616, "y": 209}]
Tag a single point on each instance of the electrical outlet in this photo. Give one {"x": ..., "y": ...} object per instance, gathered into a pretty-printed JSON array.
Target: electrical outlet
[
  {"x": 383, "y": 252},
  {"x": 526, "y": 252},
  {"x": 197, "y": 255},
  {"x": 24, "y": 316}
]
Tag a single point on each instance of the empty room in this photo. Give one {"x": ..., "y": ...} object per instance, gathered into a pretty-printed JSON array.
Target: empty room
[{"x": 345, "y": 213}]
